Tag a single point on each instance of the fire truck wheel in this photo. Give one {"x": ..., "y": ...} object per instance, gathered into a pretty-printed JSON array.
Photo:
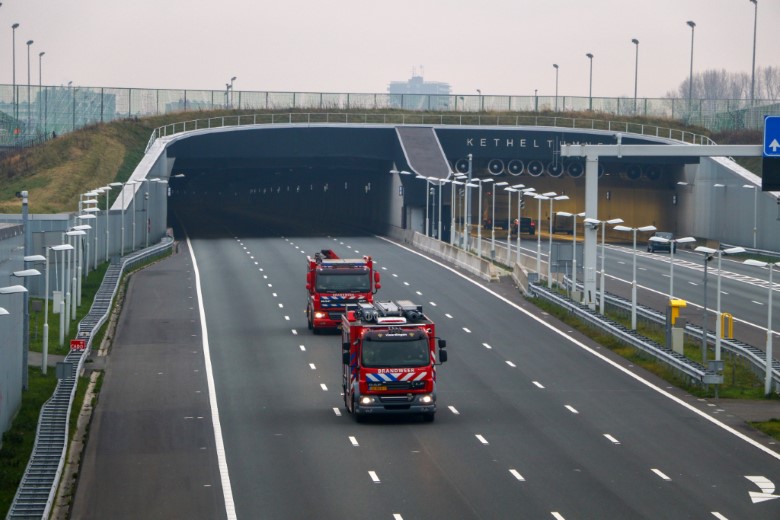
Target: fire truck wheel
[
  {"x": 359, "y": 417},
  {"x": 428, "y": 417},
  {"x": 309, "y": 318}
]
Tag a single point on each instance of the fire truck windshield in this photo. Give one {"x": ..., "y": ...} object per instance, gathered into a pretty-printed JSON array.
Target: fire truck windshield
[
  {"x": 336, "y": 282},
  {"x": 386, "y": 353}
]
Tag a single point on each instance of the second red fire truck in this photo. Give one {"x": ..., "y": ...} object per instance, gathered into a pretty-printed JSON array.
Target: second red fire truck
[{"x": 389, "y": 360}]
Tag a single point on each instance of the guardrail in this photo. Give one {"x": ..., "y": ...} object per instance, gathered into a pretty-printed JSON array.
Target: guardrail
[
  {"x": 36, "y": 493},
  {"x": 426, "y": 119},
  {"x": 677, "y": 361},
  {"x": 753, "y": 355}
]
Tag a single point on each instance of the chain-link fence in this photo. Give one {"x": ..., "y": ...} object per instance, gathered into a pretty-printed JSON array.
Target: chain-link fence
[{"x": 31, "y": 113}]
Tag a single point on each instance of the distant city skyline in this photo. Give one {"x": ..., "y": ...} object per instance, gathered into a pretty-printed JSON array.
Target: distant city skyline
[{"x": 499, "y": 47}]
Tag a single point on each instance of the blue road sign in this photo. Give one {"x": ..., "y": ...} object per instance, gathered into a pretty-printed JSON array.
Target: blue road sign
[{"x": 772, "y": 136}]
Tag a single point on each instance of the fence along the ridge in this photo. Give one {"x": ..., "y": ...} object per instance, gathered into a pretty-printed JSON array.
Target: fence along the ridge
[{"x": 36, "y": 113}]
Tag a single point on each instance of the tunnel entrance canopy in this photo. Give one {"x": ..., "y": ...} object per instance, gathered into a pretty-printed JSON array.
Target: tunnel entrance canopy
[
  {"x": 428, "y": 151},
  {"x": 321, "y": 172}
]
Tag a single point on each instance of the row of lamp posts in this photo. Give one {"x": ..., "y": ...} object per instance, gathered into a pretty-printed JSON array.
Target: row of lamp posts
[
  {"x": 709, "y": 253},
  {"x": 75, "y": 256}
]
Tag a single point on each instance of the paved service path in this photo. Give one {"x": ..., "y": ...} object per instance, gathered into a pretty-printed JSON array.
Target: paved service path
[{"x": 150, "y": 452}]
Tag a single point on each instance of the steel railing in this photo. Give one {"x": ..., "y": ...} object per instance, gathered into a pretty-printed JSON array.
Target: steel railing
[
  {"x": 310, "y": 118},
  {"x": 37, "y": 491}
]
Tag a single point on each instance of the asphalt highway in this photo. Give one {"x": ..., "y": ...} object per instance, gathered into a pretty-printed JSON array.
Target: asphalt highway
[{"x": 534, "y": 421}]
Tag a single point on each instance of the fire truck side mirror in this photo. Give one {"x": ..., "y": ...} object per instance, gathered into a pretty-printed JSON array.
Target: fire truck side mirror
[
  {"x": 345, "y": 354},
  {"x": 442, "y": 352},
  {"x": 377, "y": 285}
]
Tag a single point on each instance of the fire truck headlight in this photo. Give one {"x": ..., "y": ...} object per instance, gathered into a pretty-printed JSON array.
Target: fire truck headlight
[
  {"x": 320, "y": 315},
  {"x": 367, "y": 399},
  {"x": 426, "y": 399}
]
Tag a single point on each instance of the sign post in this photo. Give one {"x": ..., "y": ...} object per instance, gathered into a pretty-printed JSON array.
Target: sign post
[{"x": 770, "y": 174}]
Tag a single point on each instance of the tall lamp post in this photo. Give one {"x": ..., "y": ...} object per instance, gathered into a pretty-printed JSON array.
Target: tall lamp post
[
  {"x": 552, "y": 199},
  {"x": 718, "y": 324},
  {"x": 692, "y": 25},
  {"x": 522, "y": 192},
  {"x": 479, "y": 210},
  {"x": 231, "y": 90},
  {"x": 708, "y": 256},
  {"x": 633, "y": 275},
  {"x": 672, "y": 248},
  {"x": 604, "y": 223},
  {"x": 753, "y": 68},
  {"x": 539, "y": 198},
  {"x": 556, "y": 86},
  {"x": 15, "y": 93},
  {"x": 573, "y": 244},
  {"x": 27, "y": 128},
  {"x": 493, "y": 223},
  {"x": 755, "y": 211},
  {"x": 80, "y": 254},
  {"x": 40, "y": 95},
  {"x": 45, "y": 349},
  {"x": 636, "y": 70},
  {"x": 590, "y": 88},
  {"x": 769, "y": 332}
]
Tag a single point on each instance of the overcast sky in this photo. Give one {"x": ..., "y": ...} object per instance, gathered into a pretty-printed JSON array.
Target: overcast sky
[{"x": 497, "y": 46}]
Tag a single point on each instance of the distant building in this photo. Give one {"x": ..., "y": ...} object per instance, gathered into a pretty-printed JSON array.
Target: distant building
[{"x": 418, "y": 94}]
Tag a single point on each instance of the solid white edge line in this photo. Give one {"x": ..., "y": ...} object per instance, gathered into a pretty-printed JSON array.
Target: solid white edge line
[
  {"x": 227, "y": 490},
  {"x": 602, "y": 357}
]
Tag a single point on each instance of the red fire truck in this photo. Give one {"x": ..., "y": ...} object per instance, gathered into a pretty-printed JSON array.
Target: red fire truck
[
  {"x": 332, "y": 283},
  {"x": 389, "y": 360}
]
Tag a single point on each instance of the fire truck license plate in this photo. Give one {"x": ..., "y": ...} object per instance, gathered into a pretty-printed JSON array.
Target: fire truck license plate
[{"x": 381, "y": 388}]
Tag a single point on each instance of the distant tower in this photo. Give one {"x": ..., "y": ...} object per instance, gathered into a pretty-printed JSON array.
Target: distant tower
[{"x": 418, "y": 94}]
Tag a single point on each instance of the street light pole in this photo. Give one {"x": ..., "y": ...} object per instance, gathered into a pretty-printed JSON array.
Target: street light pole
[
  {"x": 753, "y": 68},
  {"x": 493, "y": 223},
  {"x": 27, "y": 128},
  {"x": 769, "y": 332},
  {"x": 573, "y": 245},
  {"x": 636, "y": 70},
  {"x": 40, "y": 92},
  {"x": 718, "y": 324},
  {"x": 556, "y": 86},
  {"x": 15, "y": 93},
  {"x": 691, "y": 24},
  {"x": 603, "y": 255},
  {"x": 633, "y": 275},
  {"x": 552, "y": 198},
  {"x": 590, "y": 88},
  {"x": 467, "y": 202}
]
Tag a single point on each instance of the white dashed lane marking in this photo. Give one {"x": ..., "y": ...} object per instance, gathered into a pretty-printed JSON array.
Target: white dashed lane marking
[
  {"x": 517, "y": 475},
  {"x": 660, "y": 474},
  {"x": 571, "y": 409},
  {"x": 538, "y": 384},
  {"x": 481, "y": 439}
]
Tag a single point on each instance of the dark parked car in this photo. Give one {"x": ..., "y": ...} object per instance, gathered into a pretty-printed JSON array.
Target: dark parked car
[
  {"x": 653, "y": 246},
  {"x": 527, "y": 225}
]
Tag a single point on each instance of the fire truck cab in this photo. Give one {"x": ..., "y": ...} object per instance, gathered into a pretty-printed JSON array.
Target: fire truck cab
[
  {"x": 389, "y": 360},
  {"x": 332, "y": 283}
]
